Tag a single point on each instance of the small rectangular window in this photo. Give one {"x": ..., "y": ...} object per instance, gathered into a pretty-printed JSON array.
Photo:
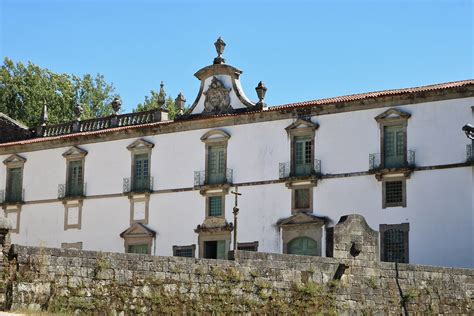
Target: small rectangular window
[
  {"x": 248, "y": 246},
  {"x": 184, "y": 251},
  {"x": 394, "y": 193},
  {"x": 302, "y": 199},
  {"x": 394, "y": 242},
  {"x": 215, "y": 205}
]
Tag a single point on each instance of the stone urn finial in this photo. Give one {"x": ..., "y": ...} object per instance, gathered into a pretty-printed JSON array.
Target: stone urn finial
[
  {"x": 44, "y": 114},
  {"x": 180, "y": 102},
  {"x": 220, "y": 46},
  {"x": 78, "y": 110},
  {"x": 116, "y": 105},
  {"x": 261, "y": 91},
  {"x": 161, "y": 96}
]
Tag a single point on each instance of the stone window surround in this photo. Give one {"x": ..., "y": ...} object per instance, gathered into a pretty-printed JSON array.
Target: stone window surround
[
  {"x": 216, "y": 193},
  {"x": 404, "y": 191},
  {"x": 72, "y": 245},
  {"x": 138, "y": 234},
  {"x": 214, "y": 236},
  {"x": 139, "y": 146},
  {"x": 405, "y": 228},
  {"x": 192, "y": 247},
  {"x": 139, "y": 198},
  {"x": 13, "y": 209},
  {"x": 384, "y": 119},
  {"x": 313, "y": 231},
  {"x": 253, "y": 244},
  {"x": 301, "y": 185},
  {"x": 294, "y": 131},
  {"x": 74, "y": 154},
  {"x": 14, "y": 161},
  {"x": 72, "y": 204},
  {"x": 215, "y": 137}
]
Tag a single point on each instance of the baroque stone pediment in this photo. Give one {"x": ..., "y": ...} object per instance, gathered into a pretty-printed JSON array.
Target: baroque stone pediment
[
  {"x": 140, "y": 144},
  {"x": 302, "y": 219},
  {"x": 301, "y": 124},
  {"x": 392, "y": 114},
  {"x": 14, "y": 159},
  {"x": 75, "y": 151},
  {"x": 217, "y": 97},
  {"x": 138, "y": 230}
]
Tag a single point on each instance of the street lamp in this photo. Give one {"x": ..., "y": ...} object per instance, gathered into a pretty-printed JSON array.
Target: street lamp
[{"x": 469, "y": 130}]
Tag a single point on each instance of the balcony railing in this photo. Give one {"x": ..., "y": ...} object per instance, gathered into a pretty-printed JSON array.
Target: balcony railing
[
  {"x": 12, "y": 196},
  {"x": 375, "y": 161},
  {"x": 65, "y": 191},
  {"x": 200, "y": 178},
  {"x": 286, "y": 171},
  {"x": 469, "y": 153},
  {"x": 137, "y": 185}
]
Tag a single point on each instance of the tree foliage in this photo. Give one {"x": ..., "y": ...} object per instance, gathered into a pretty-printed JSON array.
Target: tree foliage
[
  {"x": 25, "y": 88},
  {"x": 151, "y": 102}
]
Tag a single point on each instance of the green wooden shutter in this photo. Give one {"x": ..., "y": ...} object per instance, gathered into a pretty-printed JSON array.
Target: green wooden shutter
[
  {"x": 143, "y": 249},
  {"x": 216, "y": 164},
  {"x": 221, "y": 249},
  {"x": 142, "y": 173},
  {"x": 302, "y": 156},
  {"x": 394, "y": 146},
  {"x": 14, "y": 186},
  {"x": 75, "y": 180},
  {"x": 303, "y": 246}
]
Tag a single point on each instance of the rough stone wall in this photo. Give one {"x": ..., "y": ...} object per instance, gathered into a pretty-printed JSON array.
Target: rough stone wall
[
  {"x": 5, "y": 243},
  {"x": 64, "y": 280},
  {"x": 353, "y": 238}
]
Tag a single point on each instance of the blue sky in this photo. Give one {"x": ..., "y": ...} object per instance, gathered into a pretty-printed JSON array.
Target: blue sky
[{"x": 302, "y": 50}]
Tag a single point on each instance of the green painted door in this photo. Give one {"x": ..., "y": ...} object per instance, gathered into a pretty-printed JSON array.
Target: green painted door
[
  {"x": 138, "y": 249},
  {"x": 221, "y": 254},
  {"x": 75, "y": 180},
  {"x": 303, "y": 246},
  {"x": 216, "y": 165},
  {"x": 394, "y": 146},
  {"x": 141, "y": 177},
  {"x": 14, "y": 188},
  {"x": 302, "y": 159}
]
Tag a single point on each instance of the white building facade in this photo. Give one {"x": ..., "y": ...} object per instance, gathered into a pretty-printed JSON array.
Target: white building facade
[{"x": 142, "y": 183}]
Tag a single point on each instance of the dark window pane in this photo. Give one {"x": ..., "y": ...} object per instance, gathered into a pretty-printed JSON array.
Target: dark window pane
[
  {"x": 184, "y": 252},
  {"x": 393, "y": 192},
  {"x": 394, "y": 246},
  {"x": 215, "y": 205},
  {"x": 302, "y": 198}
]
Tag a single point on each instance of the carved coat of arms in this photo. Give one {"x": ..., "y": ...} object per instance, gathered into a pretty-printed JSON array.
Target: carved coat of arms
[{"x": 217, "y": 97}]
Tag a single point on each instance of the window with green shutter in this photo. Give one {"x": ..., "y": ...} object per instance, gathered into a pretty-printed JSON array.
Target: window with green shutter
[
  {"x": 302, "y": 156},
  {"x": 215, "y": 205},
  {"x": 141, "y": 176},
  {"x": 215, "y": 249},
  {"x": 143, "y": 249},
  {"x": 216, "y": 164},
  {"x": 75, "y": 181},
  {"x": 394, "y": 146},
  {"x": 14, "y": 185},
  {"x": 302, "y": 246}
]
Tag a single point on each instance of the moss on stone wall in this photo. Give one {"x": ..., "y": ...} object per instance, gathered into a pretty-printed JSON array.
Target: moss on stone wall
[{"x": 68, "y": 281}]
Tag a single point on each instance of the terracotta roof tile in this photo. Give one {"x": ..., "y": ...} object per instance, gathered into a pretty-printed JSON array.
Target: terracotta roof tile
[{"x": 340, "y": 99}]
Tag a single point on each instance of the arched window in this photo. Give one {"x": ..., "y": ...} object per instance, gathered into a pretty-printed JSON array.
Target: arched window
[{"x": 303, "y": 246}]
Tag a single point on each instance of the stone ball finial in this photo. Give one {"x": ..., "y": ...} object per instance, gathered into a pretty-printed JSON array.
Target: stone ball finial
[
  {"x": 220, "y": 46},
  {"x": 116, "y": 105},
  {"x": 161, "y": 96},
  {"x": 78, "y": 110}
]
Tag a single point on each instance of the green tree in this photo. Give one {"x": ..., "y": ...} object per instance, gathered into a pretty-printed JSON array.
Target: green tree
[
  {"x": 151, "y": 102},
  {"x": 25, "y": 88}
]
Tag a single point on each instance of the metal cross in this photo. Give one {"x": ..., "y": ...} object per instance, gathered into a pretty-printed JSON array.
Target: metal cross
[{"x": 235, "y": 212}]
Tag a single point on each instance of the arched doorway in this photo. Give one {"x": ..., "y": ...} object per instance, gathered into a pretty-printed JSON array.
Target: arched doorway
[{"x": 303, "y": 246}]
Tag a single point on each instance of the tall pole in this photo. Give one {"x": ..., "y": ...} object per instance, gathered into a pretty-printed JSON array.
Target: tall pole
[{"x": 235, "y": 212}]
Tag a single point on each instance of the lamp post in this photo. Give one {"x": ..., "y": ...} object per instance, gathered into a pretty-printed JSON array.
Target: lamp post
[{"x": 235, "y": 212}]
